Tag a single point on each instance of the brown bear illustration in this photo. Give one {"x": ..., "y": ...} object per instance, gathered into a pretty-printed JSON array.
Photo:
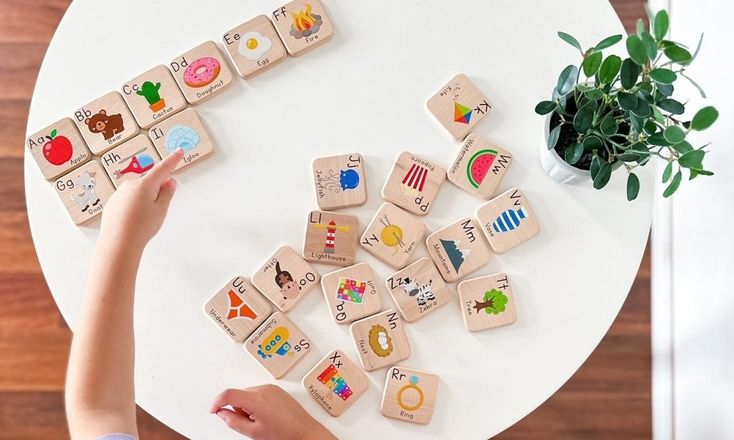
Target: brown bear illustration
[{"x": 107, "y": 125}]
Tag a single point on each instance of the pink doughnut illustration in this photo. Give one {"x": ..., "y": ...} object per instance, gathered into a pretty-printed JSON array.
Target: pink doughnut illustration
[{"x": 202, "y": 72}]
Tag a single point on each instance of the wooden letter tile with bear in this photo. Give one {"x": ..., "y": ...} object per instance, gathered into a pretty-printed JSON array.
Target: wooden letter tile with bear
[
  {"x": 131, "y": 160},
  {"x": 458, "y": 249},
  {"x": 58, "y": 148},
  {"x": 331, "y": 238},
  {"x": 418, "y": 289},
  {"x": 409, "y": 395},
  {"x": 285, "y": 278},
  {"x": 479, "y": 167},
  {"x": 105, "y": 122},
  {"x": 85, "y": 191},
  {"x": 459, "y": 106},
  {"x": 393, "y": 235},
  {"x": 339, "y": 181},
  {"x": 278, "y": 344},
  {"x": 238, "y": 309},
  {"x": 202, "y": 72},
  {"x": 380, "y": 340},
  {"x": 254, "y": 46},
  {"x": 507, "y": 220},
  {"x": 186, "y": 131},
  {"x": 413, "y": 183},
  {"x": 487, "y": 302},
  {"x": 336, "y": 382},
  {"x": 302, "y": 25},
  {"x": 351, "y": 293},
  {"x": 153, "y": 96}
]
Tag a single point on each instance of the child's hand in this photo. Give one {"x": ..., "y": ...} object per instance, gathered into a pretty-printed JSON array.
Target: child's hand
[
  {"x": 136, "y": 211},
  {"x": 267, "y": 412}
]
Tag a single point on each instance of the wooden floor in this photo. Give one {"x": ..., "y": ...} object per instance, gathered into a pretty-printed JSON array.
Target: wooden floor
[{"x": 609, "y": 397}]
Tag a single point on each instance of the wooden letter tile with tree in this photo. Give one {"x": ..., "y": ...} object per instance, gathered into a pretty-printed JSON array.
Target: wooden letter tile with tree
[{"x": 487, "y": 302}]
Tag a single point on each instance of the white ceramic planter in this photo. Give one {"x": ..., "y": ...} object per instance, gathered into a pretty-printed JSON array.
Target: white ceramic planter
[{"x": 557, "y": 168}]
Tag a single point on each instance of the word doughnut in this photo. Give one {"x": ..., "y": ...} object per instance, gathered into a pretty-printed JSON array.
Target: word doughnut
[{"x": 202, "y": 72}]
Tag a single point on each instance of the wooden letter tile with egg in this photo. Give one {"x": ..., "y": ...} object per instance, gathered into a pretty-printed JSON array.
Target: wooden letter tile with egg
[{"x": 380, "y": 340}]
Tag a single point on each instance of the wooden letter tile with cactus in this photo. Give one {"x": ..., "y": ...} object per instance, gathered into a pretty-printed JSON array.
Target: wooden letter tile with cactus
[{"x": 153, "y": 96}]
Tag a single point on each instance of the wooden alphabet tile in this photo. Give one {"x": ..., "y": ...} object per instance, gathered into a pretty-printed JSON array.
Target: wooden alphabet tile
[
  {"x": 85, "y": 191},
  {"x": 487, "y": 302},
  {"x": 413, "y": 183},
  {"x": 153, "y": 96},
  {"x": 339, "y": 181},
  {"x": 201, "y": 72},
  {"x": 105, "y": 122},
  {"x": 285, "y": 278},
  {"x": 409, "y": 395},
  {"x": 254, "y": 46},
  {"x": 302, "y": 25},
  {"x": 238, "y": 309},
  {"x": 278, "y": 344},
  {"x": 331, "y": 238},
  {"x": 393, "y": 235},
  {"x": 58, "y": 148},
  {"x": 458, "y": 249},
  {"x": 507, "y": 220},
  {"x": 351, "y": 293},
  {"x": 184, "y": 130},
  {"x": 380, "y": 340},
  {"x": 459, "y": 106},
  {"x": 418, "y": 289},
  {"x": 336, "y": 382},
  {"x": 479, "y": 167},
  {"x": 131, "y": 160}
]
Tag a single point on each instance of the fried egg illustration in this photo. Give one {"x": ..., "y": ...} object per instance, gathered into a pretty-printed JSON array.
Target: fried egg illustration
[{"x": 254, "y": 45}]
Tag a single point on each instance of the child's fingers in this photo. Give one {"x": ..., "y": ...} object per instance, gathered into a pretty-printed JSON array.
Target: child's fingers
[
  {"x": 246, "y": 400},
  {"x": 167, "y": 190},
  {"x": 163, "y": 169},
  {"x": 237, "y": 422}
]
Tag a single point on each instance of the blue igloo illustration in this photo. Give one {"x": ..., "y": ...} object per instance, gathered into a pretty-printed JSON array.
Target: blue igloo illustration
[{"x": 183, "y": 137}]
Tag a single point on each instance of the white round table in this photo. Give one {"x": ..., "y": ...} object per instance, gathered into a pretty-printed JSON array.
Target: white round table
[{"x": 363, "y": 91}]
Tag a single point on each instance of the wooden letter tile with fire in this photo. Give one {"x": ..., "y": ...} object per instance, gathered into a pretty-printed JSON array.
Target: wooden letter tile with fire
[
  {"x": 479, "y": 167},
  {"x": 409, "y": 395},
  {"x": 278, "y": 344},
  {"x": 351, "y": 293},
  {"x": 459, "y": 106},
  {"x": 413, "y": 183},
  {"x": 507, "y": 220},
  {"x": 238, "y": 309},
  {"x": 418, "y": 289},
  {"x": 339, "y": 181},
  {"x": 380, "y": 340},
  {"x": 285, "y": 278},
  {"x": 393, "y": 235},
  {"x": 302, "y": 25},
  {"x": 131, "y": 160},
  {"x": 487, "y": 302},
  {"x": 458, "y": 249},
  {"x": 331, "y": 238},
  {"x": 336, "y": 382}
]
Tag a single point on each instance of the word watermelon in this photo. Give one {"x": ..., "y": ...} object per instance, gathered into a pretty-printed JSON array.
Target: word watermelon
[{"x": 479, "y": 165}]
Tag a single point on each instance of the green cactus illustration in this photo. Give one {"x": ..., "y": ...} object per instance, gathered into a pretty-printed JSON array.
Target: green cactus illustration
[
  {"x": 149, "y": 91},
  {"x": 493, "y": 303}
]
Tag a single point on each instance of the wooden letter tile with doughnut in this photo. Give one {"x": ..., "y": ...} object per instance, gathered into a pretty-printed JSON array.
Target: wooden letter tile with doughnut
[
  {"x": 351, "y": 293},
  {"x": 458, "y": 249},
  {"x": 487, "y": 302},
  {"x": 130, "y": 160},
  {"x": 507, "y": 220},
  {"x": 302, "y": 25},
  {"x": 285, "y": 278},
  {"x": 479, "y": 167},
  {"x": 278, "y": 344},
  {"x": 105, "y": 122},
  {"x": 380, "y": 340},
  {"x": 393, "y": 235},
  {"x": 413, "y": 183},
  {"x": 238, "y": 309},
  {"x": 58, "y": 148},
  {"x": 418, "y": 289},
  {"x": 409, "y": 395},
  {"x": 339, "y": 181},
  {"x": 85, "y": 191},
  {"x": 459, "y": 106},
  {"x": 201, "y": 72},
  {"x": 254, "y": 46},
  {"x": 153, "y": 96},
  {"x": 186, "y": 131},
  {"x": 336, "y": 382}
]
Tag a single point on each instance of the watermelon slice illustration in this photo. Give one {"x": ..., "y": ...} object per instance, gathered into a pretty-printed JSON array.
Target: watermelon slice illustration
[{"x": 479, "y": 165}]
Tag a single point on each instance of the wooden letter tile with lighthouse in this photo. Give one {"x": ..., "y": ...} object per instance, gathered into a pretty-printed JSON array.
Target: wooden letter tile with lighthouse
[
  {"x": 507, "y": 220},
  {"x": 331, "y": 238},
  {"x": 238, "y": 309}
]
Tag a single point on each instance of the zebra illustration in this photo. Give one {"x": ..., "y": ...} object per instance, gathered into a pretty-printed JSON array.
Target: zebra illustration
[{"x": 422, "y": 293}]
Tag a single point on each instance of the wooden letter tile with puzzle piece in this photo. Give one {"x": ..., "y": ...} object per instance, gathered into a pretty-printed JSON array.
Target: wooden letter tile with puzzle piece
[
  {"x": 487, "y": 302},
  {"x": 254, "y": 46},
  {"x": 131, "y": 160},
  {"x": 278, "y": 344},
  {"x": 302, "y": 25},
  {"x": 153, "y": 96},
  {"x": 479, "y": 167},
  {"x": 285, "y": 278},
  {"x": 339, "y": 181},
  {"x": 85, "y": 191},
  {"x": 413, "y": 183},
  {"x": 186, "y": 131},
  {"x": 409, "y": 395},
  {"x": 336, "y": 382},
  {"x": 238, "y": 309},
  {"x": 351, "y": 293},
  {"x": 418, "y": 289},
  {"x": 459, "y": 106},
  {"x": 331, "y": 238},
  {"x": 507, "y": 220},
  {"x": 380, "y": 340},
  {"x": 458, "y": 249},
  {"x": 393, "y": 235},
  {"x": 105, "y": 122},
  {"x": 58, "y": 148},
  {"x": 201, "y": 72}
]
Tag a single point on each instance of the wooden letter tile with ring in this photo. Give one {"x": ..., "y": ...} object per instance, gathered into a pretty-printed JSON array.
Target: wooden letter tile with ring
[{"x": 409, "y": 395}]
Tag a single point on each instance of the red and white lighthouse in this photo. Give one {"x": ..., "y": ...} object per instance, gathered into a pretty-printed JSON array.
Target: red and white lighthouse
[{"x": 330, "y": 238}]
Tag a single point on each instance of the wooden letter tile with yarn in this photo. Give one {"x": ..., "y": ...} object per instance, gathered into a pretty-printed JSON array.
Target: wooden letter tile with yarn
[
  {"x": 458, "y": 249},
  {"x": 507, "y": 220},
  {"x": 351, "y": 293},
  {"x": 285, "y": 278},
  {"x": 238, "y": 309},
  {"x": 479, "y": 167},
  {"x": 380, "y": 340},
  {"x": 487, "y": 302},
  {"x": 393, "y": 235},
  {"x": 278, "y": 344},
  {"x": 336, "y": 382},
  {"x": 409, "y": 395},
  {"x": 418, "y": 289}
]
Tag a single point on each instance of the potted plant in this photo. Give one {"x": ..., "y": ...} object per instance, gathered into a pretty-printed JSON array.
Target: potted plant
[{"x": 623, "y": 113}]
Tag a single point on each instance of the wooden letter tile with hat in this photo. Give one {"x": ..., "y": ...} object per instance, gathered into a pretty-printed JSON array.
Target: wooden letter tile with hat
[
  {"x": 237, "y": 308},
  {"x": 339, "y": 181},
  {"x": 254, "y": 46},
  {"x": 409, "y": 395},
  {"x": 413, "y": 183},
  {"x": 153, "y": 96},
  {"x": 302, "y": 25},
  {"x": 393, "y": 235},
  {"x": 105, "y": 122},
  {"x": 459, "y": 106},
  {"x": 487, "y": 302},
  {"x": 458, "y": 249},
  {"x": 351, "y": 293},
  {"x": 58, "y": 148},
  {"x": 202, "y": 72},
  {"x": 507, "y": 220},
  {"x": 186, "y": 131},
  {"x": 278, "y": 344},
  {"x": 479, "y": 167},
  {"x": 131, "y": 160},
  {"x": 285, "y": 278},
  {"x": 331, "y": 238},
  {"x": 380, "y": 340},
  {"x": 418, "y": 289},
  {"x": 336, "y": 382},
  {"x": 85, "y": 191}
]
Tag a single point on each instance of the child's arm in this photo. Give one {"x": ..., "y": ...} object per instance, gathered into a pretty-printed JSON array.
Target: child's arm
[{"x": 100, "y": 395}]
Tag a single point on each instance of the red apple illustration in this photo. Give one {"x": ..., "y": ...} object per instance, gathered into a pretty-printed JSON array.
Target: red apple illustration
[{"x": 58, "y": 149}]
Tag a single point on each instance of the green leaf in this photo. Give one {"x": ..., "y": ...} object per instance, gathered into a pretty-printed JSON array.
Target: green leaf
[
  {"x": 591, "y": 64},
  {"x": 595, "y": 166},
  {"x": 594, "y": 94},
  {"x": 665, "y": 89},
  {"x": 636, "y": 50},
  {"x": 633, "y": 186},
  {"x": 640, "y": 27},
  {"x": 608, "y": 126},
  {"x": 682, "y": 147},
  {"x": 583, "y": 119},
  {"x": 608, "y": 42},
  {"x": 570, "y": 40},
  {"x": 545, "y": 107},
  {"x": 573, "y": 153},
  {"x": 567, "y": 79},
  {"x": 592, "y": 143},
  {"x": 627, "y": 101},
  {"x": 674, "y": 134},
  {"x": 609, "y": 69},
  {"x": 642, "y": 109},
  {"x": 658, "y": 139},
  {"x": 692, "y": 159},
  {"x": 53, "y": 134},
  {"x": 629, "y": 74},
  {"x": 704, "y": 118},
  {"x": 695, "y": 173},
  {"x": 638, "y": 123},
  {"x": 678, "y": 54},
  {"x": 603, "y": 175},
  {"x": 650, "y": 127},
  {"x": 668, "y": 172},
  {"x": 660, "y": 24},
  {"x": 673, "y": 185},
  {"x": 553, "y": 136},
  {"x": 672, "y": 106},
  {"x": 663, "y": 76},
  {"x": 651, "y": 46}
]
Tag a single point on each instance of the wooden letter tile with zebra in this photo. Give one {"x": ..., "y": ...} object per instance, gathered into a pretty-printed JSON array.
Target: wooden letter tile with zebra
[
  {"x": 413, "y": 183},
  {"x": 393, "y": 235},
  {"x": 380, "y": 340},
  {"x": 351, "y": 293},
  {"x": 418, "y": 289},
  {"x": 331, "y": 238},
  {"x": 507, "y": 220},
  {"x": 487, "y": 302}
]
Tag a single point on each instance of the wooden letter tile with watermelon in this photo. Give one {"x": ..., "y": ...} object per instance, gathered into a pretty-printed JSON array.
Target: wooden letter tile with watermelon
[
  {"x": 487, "y": 302},
  {"x": 479, "y": 167},
  {"x": 331, "y": 238},
  {"x": 58, "y": 148},
  {"x": 507, "y": 220},
  {"x": 413, "y": 183},
  {"x": 351, "y": 293},
  {"x": 131, "y": 160},
  {"x": 238, "y": 309},
  {"x": 393, "y": 235},
  {"x": 459, "y": 106},
  {"x": 458, "y": 249},
  {"x": 336, "y": 382}
]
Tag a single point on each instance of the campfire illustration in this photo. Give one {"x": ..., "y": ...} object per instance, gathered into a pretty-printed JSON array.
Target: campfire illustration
[{"x": 305, "y": 23}]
